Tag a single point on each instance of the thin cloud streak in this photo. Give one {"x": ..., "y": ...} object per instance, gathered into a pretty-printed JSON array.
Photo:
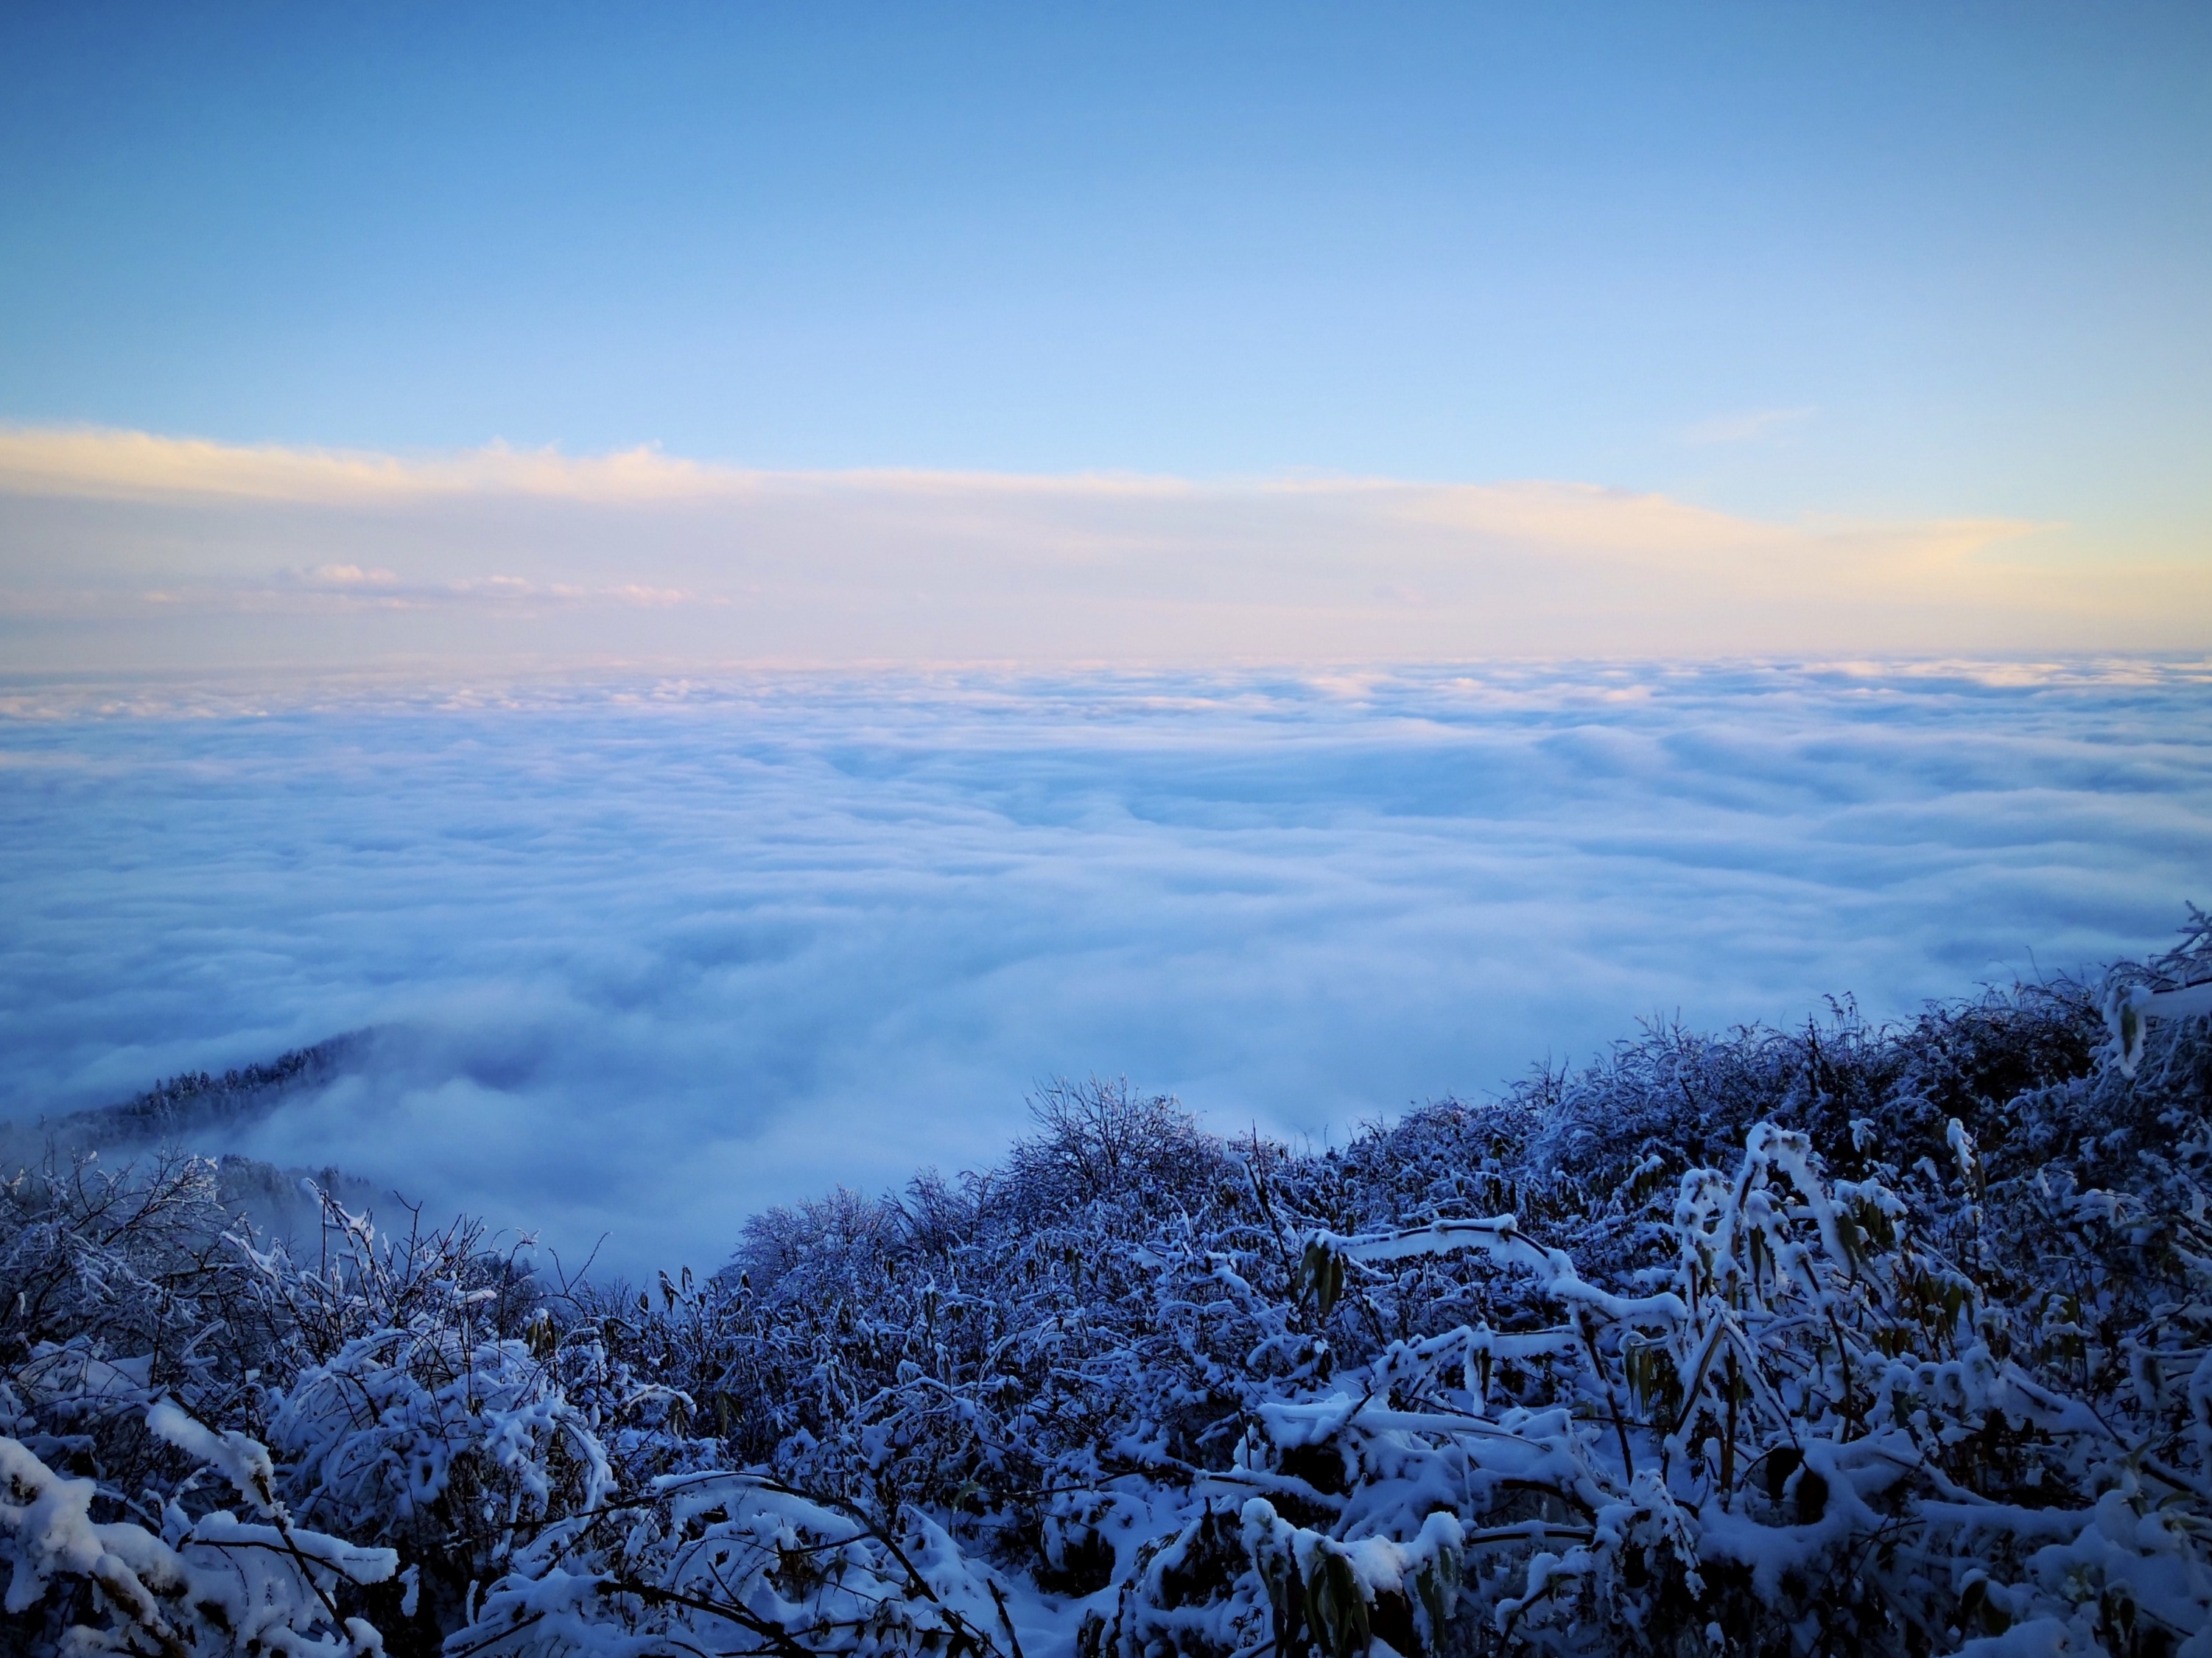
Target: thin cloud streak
[
  {"x": 101, "y": 462},
  {"x": 1751, "y": 427},
  {"x": 123, "y": 547}
]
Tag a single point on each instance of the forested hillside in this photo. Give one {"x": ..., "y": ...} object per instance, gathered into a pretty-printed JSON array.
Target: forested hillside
[{"x": 1835, "y": 1339}]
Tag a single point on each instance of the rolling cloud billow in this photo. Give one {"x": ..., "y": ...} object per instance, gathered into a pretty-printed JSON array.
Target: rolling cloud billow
[{"x": 638, "y": 956}]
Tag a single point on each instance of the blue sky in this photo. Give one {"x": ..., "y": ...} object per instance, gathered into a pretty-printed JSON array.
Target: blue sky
[{"x": 1866, "y": 259}]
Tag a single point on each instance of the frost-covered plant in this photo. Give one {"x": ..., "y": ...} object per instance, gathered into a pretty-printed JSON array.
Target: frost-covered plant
[
  {"x": 722, "y": 1562},
  {"x": 1848, "y": 1339},
  {"x": 1819, "y": 1431},
  {"x": 192, "y": 1586},
  {"x": 424, "y": 1405},
  {"x": 411, "y": 1387},
  {"x": 1877, "y": 1339}
]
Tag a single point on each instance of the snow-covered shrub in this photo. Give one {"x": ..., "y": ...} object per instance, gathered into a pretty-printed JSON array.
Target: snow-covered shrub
[
  {"x": 1848, "y": 1339},
  {"x": 736, "y": 1562},
  {"x": 423, "y": 1405},
  {"x": 411, "y": 1387},
  {"x": 1818, "y": 1431},
  {"x": 1103, "y": 1142},
  {"x": 118, "y": 1289},
  {"x": 191, "y": 1587},
  {"x": 1843, "y": 1340}
]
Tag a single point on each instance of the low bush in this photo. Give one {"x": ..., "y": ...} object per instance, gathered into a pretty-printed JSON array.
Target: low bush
[{"x": 1850, "y": 1339}]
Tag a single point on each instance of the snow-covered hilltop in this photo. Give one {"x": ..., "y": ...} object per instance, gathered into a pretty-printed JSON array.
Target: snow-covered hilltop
[{"x": 1838, "y": 1340}]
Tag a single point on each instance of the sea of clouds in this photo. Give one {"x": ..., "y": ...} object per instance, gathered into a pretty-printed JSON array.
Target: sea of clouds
[{"x": 644, "y": 954}]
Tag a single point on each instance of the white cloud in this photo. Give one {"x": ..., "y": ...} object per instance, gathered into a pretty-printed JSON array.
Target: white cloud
[
  {"x": 643, "y": 557},
  {"x": 350, "y": 586},
  {"x": 103, "y": 463},
  {"x": 650, "y": 953}
]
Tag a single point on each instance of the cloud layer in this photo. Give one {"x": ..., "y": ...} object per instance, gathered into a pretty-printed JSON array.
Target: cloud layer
[
  {"x": 121, "y": 548},
  {"x": 647, "y": 953}
]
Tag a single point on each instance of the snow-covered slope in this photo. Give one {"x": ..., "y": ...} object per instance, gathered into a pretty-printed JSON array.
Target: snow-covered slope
[{"x": 1834, "y": 1338}]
